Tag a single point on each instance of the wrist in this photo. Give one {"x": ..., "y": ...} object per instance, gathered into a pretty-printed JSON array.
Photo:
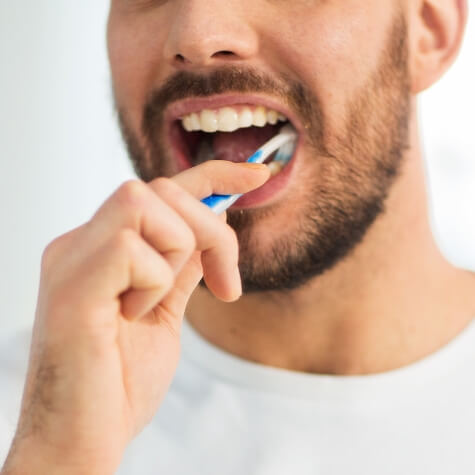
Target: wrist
[{"x": 29, "y": 458}]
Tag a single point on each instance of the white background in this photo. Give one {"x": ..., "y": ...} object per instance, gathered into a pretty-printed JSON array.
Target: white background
[{"x": 61, "y": 154}]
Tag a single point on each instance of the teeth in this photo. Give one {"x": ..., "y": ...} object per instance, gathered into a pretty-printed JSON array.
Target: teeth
[
  {"x": 187, "y": 125},
  {"x": 195, "y": 121},
  {"x": 209, "y": 121},
  {"x": 246, "y": 118},
  {"x": 272, "y": 117},
  {"x": 260, "y": 117},
  {"x": 229, "y": 119},
  {"x": 275, "y": 167}
]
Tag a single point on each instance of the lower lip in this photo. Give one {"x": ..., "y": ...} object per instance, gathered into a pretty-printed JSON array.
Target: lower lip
[{"x": 270, "y": 191}]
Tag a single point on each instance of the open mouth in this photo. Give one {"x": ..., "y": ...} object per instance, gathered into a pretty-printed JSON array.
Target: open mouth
[{"x": 230, "y": 133}]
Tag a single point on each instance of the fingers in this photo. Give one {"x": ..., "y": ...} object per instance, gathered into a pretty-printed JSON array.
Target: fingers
[
  {"x": 214, "y": 238},
  {"x": 151, "y": 278},
  {"x": 222, "y": 177},
  {"x": 219, "y": 243},
  {"x": 168, "y": 215},
  {"x": 186, "y": 281},
  {"x": 135, "y": 206},
  {"x": 167, "y": 224},
  {"x": 126, "y": 267}
]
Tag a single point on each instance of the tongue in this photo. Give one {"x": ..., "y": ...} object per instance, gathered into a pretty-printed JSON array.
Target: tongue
[{"x": 240, "y": 145}]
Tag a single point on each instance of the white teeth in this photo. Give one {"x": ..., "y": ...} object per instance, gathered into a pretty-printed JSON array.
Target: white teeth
[
  {"x": 246, "y": 118},
  {"x": 272, "y": 117},
  {"x": 260, "y": 117},
  {"x": 187, "y": 125},
  {"x": 195, "y": 121},
  {"x": 275, "y": 167},
  {"x": 229, "y": 119},
  {"x": 209, "y": 121}
]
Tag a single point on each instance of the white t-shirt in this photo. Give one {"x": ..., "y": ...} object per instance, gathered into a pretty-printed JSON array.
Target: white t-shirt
[{"x": 227, "y": 416}]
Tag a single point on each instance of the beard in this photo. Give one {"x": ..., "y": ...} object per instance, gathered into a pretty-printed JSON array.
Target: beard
[{"x": 351, "y": 170}]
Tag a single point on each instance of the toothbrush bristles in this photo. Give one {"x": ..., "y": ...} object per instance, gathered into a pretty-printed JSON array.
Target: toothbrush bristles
[{"x": 284, "y": 153}]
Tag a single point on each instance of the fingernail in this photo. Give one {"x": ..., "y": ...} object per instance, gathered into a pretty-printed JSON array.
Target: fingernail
[{"x": 253, "y": 166}]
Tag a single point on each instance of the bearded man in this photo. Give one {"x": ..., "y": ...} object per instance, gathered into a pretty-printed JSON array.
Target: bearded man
[{"x": 324, "y": 331}]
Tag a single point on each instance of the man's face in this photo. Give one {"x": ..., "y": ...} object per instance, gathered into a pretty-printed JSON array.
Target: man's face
[{"x": 337, "y": 70}]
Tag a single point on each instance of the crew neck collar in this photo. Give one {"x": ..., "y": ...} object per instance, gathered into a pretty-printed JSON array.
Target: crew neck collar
[{"x": 253, "y": 376}]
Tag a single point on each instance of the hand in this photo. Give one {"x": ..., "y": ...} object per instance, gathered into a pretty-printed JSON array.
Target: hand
[{"x": 105, "y": 342}]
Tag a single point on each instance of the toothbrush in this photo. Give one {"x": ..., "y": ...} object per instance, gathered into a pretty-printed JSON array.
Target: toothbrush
[{"x": 284, "y": 142}]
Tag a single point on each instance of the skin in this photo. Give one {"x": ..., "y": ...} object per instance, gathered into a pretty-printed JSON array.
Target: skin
[{"x": 109, "y": 314}]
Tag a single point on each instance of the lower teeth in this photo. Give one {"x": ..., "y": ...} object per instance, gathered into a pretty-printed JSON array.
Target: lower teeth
[{"x": 275, "y": 167}]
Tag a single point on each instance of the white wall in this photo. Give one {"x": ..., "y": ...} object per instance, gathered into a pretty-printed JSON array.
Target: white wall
[
  {"x": 448, "y": 125},
  {"x": 60, "y": 151},
  {"x": 61, "y": 154}
]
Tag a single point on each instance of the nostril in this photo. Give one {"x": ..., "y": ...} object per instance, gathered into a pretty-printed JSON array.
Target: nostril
[
  {"x": 223, "y": 53},
  {"x": 181, "y": 60}
]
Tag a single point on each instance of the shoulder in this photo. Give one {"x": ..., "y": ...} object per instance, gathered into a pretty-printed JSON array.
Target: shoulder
[{"x": 14, "y": 350}]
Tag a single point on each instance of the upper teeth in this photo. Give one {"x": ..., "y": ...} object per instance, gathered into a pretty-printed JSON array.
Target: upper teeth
[{"x": 229, "y": 119}]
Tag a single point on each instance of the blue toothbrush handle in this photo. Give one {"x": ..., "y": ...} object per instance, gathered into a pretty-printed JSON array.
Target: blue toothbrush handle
[{"x": 220, "y": 203}]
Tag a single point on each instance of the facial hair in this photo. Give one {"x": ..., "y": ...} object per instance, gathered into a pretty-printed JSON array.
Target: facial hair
[{"x": 355, "y": 167}]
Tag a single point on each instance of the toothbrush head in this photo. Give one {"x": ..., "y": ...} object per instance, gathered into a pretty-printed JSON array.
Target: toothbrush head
[
  {"x": 288, "y": 129},
  {"x": 285, "y": 152}
]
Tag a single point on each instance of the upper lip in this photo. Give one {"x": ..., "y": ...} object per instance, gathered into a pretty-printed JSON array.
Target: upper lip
[{"x": 177, "y": 110}]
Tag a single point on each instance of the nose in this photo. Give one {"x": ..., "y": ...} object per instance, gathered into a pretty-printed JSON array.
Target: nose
[{"x": 209, "y": 33}]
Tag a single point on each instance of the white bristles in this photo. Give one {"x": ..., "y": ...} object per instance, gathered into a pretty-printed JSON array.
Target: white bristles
[{"x": 283, "y": 142}]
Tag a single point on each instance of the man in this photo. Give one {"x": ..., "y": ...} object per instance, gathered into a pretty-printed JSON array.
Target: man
[{"x": 351, "y": 348}]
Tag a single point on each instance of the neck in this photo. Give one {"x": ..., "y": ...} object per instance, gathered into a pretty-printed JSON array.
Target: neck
[{"x": 394, "y": 300}]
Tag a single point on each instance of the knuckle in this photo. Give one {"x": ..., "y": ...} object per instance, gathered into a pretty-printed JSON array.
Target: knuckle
[
  {"x": 125, "y": 240},
  {"x": 52, "y": 250},
  {"x": 168, "y": 277},
  {"x": 164, "y": 279},
  {"x": 131, "y": 193},
  {"x": 49, "y": 254},
  {"x": 210, "y": 167},
  {"x": 167, "y": 189},
  {"x": 187, "y": 241}
]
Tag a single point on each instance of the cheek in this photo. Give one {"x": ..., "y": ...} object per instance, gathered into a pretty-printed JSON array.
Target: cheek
[
  {"x": 134, "y": 56},
  {"x": 336, "y": 50}
]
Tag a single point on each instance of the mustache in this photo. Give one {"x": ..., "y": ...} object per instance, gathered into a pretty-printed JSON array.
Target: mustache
[{"x": 232, "y": 79}]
